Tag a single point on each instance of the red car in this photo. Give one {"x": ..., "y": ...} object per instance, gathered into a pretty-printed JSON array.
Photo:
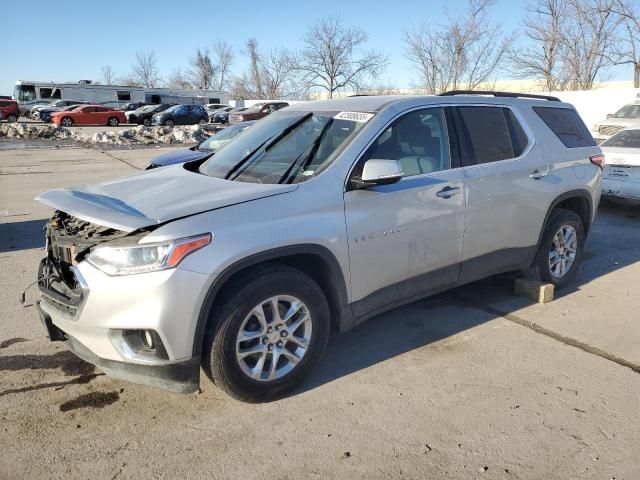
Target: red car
[
  {"x": 9, "y": 110},
  {"x": 89, "y": 115}
]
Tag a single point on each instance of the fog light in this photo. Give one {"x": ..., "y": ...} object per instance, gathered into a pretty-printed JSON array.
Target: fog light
[
  {"x": 139, "y": 345},
  {"x": 147, "y": 339}
]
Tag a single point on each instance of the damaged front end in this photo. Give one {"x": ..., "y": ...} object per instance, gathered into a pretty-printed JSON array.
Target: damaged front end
[{"x": 68, "y": 241}]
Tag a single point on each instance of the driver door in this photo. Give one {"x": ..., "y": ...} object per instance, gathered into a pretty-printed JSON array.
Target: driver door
[{"x": 405, "y": 239}]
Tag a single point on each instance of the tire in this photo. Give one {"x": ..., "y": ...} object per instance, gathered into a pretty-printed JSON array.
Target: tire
[
  {"x": 113, "y": 122},
  {"x": 545, "y": 266},
  {"x": 66, "y": 122},
  {"x": 203, "y": 121},
  {"x": 146, "y": 122},
  {"x": 252, "y": 291},
  {"x": 169, "y": 123},
  {"x": 12, "y": 118}
]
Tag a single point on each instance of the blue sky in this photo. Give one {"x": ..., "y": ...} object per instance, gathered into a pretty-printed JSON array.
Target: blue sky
[{"x": 72, "y": 40}]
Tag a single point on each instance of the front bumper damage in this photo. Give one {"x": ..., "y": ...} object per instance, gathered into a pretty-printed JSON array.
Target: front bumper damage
[{"x": 97, "y": 317}]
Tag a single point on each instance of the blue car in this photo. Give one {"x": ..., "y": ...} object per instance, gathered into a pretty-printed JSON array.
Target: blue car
[{"x": 199, "y": 152}]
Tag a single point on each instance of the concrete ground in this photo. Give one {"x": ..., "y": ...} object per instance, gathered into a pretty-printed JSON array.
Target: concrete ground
[{"x": 474, "y": 383}]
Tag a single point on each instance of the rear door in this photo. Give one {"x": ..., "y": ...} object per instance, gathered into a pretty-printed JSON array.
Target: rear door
[
  {"x": 405, "y": 239},
  {"x": 506, "y": 180}
]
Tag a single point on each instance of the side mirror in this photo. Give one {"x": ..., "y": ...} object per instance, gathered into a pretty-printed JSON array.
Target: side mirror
[{"x": 380, "y": 172}]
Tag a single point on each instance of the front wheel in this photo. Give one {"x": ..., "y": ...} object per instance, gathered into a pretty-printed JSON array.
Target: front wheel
[
  {"x": 146, "y": 122},
  {"x": 113, "y": 122},
  {"x": 12, "y": 118},
  {"x": 169, "y": 123},
  {"x": 272, "y": 329},
  {"x": 560, "y": 249},
  {"x": 66, "y": 122}
]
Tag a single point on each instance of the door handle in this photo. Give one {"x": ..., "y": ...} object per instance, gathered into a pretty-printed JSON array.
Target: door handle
[
  {"x": 537, "y": 174},
  {"x": 448, "y": 192}
]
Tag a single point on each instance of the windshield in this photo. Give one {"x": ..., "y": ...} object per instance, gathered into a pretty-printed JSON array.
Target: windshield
[
  {"x": 218, "y": 140},
  {"x": 624, "y": 139},
  {"x": 285, "y": 147},
  {"x": 628, "y": 111}
]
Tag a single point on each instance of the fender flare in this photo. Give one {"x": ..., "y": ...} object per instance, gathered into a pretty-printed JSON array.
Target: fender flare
[
  {"x": 337, "y": 281},
  {"x": 581, "y": 193}
]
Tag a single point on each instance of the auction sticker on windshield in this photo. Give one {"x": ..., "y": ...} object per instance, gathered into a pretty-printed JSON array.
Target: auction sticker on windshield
[{"x": 354, "y": 116}]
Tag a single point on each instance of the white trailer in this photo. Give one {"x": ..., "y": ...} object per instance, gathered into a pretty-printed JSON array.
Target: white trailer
[{"x": 29, "y": 93}]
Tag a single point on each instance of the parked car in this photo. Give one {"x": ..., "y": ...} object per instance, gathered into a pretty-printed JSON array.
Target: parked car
[
  {"x": 9, "y": 110},
  {"x": 131, "y": 106},
  {"x": 180, "y": 115},
  {"x": 627, "y": 116},
  {"x": 316, "y": 218},
  {"x": 212, "y": 107},
  {"x": 258, "y": 111},
  {"x": 89, "y": 115},
  {"x": 210, "y": 146},
  {"x": 223, "y": 116},
  {"x": 45, "y": 113},
  {"x": 58, "y": 105},
  {"x": 142, "y": 115},
  {"x": 621, "y": 182}
]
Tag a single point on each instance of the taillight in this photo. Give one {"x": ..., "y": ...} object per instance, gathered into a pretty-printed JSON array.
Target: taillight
[{"x": 598, "y": 160}]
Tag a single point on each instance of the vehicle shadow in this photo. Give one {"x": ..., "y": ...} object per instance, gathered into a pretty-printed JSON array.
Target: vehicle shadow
[
  {"x": 25, "y": 235},
  {"x": 614, "y": 243}
]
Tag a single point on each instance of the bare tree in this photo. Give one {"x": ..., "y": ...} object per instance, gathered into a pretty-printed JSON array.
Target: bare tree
[
  {"x": 466, "y": 51},
  {"x": 145, "y": 69},
  {"x": 202, "y": 69},
  {"x": 544, "y": 54},
  {"x": 222, "y": 58},
  {"x": 108, "y": 75},
  {"x": 271, "y": 75},
  {"x": 589, "y": 40},
  {"x": 626, "y": 49},
  {"x": 178, "y": 79},
  {"x": 333, "y": 57}
]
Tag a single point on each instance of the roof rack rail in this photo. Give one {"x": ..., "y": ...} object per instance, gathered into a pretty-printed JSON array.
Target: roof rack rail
[{"x": 499, "y": 94}]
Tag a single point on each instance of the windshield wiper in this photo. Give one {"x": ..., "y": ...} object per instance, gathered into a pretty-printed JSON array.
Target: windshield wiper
[
  {"x": 237, "y": 166},
  {"x": 309, "y": 158},
  {"x": 286, "y": 131},
  {"x": 271, "y": 143}
]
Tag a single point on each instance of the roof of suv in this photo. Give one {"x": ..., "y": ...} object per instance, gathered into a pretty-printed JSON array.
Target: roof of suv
[{"x": 378, "y": 102}]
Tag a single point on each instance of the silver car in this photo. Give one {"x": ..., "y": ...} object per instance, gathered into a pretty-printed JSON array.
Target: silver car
[{"x": 315, "y": 219}]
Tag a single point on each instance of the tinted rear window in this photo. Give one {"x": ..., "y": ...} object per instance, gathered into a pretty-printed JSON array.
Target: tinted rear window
[
  {"x": 567, "y": 126},
  {"x": 488, "y": 134}
]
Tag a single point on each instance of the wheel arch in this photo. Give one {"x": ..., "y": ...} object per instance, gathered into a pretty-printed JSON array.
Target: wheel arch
[
  {"x": 314, "y": 260},
  {"x": 578, "y": 201}
]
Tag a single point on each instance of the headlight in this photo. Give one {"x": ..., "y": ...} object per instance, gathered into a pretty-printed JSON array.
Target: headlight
[{"x": 142, "y": 258}]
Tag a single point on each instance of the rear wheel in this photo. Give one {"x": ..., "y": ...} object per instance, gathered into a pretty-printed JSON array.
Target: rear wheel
[
  {"x": 12, "y": 118},
  {"x": 66, "y": 122},
  {"x": 273, "y": 328},
  {"x": 560, "y": 250},
  {"x": 146, "y": 122},
  {"x": 113, "y": 122},
  {"x": 169, "y": 123}
]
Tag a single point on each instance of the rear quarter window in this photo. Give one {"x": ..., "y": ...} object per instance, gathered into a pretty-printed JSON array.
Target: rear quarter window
[{"x": 567, "y": 125}]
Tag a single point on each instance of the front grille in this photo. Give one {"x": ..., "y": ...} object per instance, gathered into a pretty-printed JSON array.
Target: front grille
[{"x": 609, "y": 129}]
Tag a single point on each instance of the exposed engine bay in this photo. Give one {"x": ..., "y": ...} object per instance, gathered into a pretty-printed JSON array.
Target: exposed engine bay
[{"x": 68, "y": 241}]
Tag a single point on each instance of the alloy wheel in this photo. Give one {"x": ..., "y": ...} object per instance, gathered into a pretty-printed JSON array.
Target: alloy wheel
[
  {"x": 273, "y": 338},
  {"x": 564, "y": 248}
]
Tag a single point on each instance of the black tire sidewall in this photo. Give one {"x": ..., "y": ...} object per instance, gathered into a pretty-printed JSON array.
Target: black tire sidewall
[
  {"x": 146, "y": 122},
  {"x": 223, "y": 362},
  {"x": 113, "y": 122},
  {"x": 558, "y": 219}
]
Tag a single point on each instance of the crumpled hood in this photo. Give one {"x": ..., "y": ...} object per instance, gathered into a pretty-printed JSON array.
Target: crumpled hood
[{"x": 154, "y": 197}]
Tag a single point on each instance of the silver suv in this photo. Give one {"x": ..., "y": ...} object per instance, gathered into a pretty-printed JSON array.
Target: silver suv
[{"x": 316, "y": 218}]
